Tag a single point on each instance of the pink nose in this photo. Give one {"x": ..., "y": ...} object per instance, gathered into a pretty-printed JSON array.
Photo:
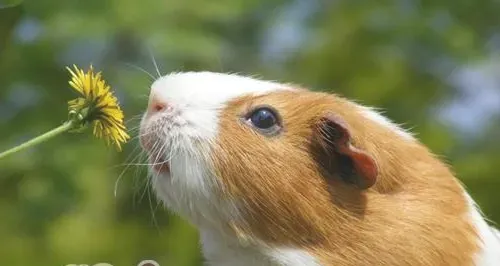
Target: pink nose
[{"x": 157, "y": 106}]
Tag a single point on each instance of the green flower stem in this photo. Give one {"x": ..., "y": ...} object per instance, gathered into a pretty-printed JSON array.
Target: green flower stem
[{"x": 44, "y": 137}]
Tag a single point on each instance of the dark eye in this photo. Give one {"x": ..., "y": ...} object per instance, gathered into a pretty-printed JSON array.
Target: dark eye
[{"x": 264, "y": 119}]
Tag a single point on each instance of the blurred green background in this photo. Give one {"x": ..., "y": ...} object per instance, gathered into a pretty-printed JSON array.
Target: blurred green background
[{"x": 433, "y": 66}]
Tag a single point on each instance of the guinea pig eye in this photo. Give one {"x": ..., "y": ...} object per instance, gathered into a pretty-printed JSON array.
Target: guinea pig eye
[{"x": 265, "y": 120}]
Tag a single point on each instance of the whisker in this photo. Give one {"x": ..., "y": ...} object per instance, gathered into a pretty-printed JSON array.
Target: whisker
[
  {"x": 138, "y": 180},
  {"x": 134, "y": 130},
  {"x": 158, "y": 152},
  {"x": 140, "y": 69},
  {"x": 153, "y": 214},
  {"x": 125, "y": 169},
  {"x": 158, "y": 203},
  {"x": 154, "y": 62},
  {"x": 137, "y": 158},
  {"x": 135, "y": 138},
  {"x": 138, "y": 170},
  {"x": 133, "y": 118},
  {"x": 148, "y": 158},
  {"x": 128, "y": 165},
  {"x": 146, "y": 189}
]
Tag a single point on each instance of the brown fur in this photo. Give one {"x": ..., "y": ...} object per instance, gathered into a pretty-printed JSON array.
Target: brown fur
[{"x": 416, "y": 213}]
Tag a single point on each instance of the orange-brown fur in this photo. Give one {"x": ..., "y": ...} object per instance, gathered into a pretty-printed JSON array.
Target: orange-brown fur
[{"x": 414, "y": 215}]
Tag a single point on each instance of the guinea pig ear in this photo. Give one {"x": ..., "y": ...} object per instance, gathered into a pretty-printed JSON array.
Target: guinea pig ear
[{"x": 338, "y": 157}]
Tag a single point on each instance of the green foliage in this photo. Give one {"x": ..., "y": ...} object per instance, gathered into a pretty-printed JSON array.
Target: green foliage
[
  {"x": 58, "y": 201},
  {"x": 10, "y": 12}
]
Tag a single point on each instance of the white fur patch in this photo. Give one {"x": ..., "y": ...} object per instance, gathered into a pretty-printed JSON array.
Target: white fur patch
[
  {"x": 226, "y": 251},
  {"x": 373, "y": 115},
  {"x": 489, "y": 254},
  {"x": 293, "y": 257},
  {"x": 199, "y": 96}
]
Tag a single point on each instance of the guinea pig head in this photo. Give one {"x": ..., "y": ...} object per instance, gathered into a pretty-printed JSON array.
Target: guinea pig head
[
  {"x": 179, "y": 132},
  {"x": 226, "y": 149}
]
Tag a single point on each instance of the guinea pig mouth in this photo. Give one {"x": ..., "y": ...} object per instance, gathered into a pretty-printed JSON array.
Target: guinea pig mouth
[
  {"x": 156, "y": 158},
  {"x": 162, "y": 167},
  {"x": 159, "y": 163}
]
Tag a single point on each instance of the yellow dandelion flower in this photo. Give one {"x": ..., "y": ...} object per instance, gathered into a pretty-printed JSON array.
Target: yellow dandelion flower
[{"x": 97, "y": 105}]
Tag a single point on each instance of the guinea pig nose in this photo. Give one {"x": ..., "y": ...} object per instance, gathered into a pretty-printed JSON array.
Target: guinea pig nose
[{"x": 157, "y": 106}]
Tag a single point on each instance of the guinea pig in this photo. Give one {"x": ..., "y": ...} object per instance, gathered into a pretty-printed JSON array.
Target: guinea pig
[{"x": 273, "y": 174}]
